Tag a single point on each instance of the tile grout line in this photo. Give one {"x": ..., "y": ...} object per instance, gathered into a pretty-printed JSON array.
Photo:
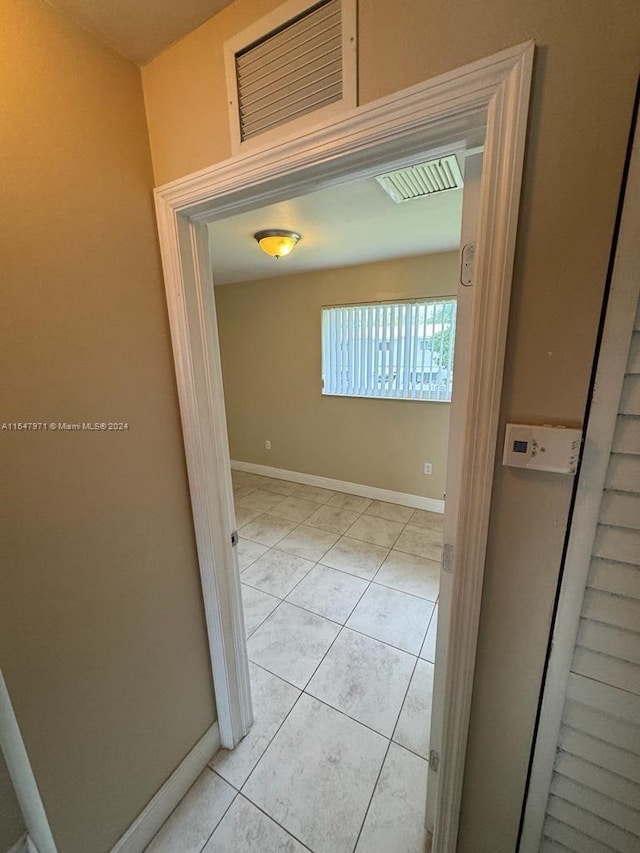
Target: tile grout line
[
  {"x": 235, "y": 797},
  {"x": 342, "y": 571},
  {"x": 333, "y": 708},
  {"x": 404, "y": 699},
  {"x": 340, "y": 535},
  {"x": 343, "y": 625},
  {"x": 373, "y": 791},
  {"x": 273, "y": 820}
]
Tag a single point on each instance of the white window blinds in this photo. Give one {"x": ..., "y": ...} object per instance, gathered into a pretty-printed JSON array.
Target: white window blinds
[{"x": 399, "y": 350}]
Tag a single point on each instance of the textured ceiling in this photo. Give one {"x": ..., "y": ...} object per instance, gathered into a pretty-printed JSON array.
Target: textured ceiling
[
  {"x": 353, "y": 223},
  {"x": 140, "y": 29}
]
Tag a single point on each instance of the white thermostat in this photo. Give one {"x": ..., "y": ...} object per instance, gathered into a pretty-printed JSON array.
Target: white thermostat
[{"x": 542, "y": 448}]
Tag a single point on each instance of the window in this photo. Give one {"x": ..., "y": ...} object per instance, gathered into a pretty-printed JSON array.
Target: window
[{"x": 399, "y": 350}]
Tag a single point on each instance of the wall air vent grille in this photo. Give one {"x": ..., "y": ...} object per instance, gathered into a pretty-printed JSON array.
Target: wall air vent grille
[
  {"x": 435, "y": 176},
  {"x": 291, "y": 72},
  {"x": 296, "y": 65}
]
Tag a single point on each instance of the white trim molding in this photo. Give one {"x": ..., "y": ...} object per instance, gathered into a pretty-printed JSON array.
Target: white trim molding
[
  {"x": 618, "y": 328},
  {"x": 22, "y": 777},
  {"x": 373, "y": 492},
  {"x": 151, "y": 818},
  {"x": 484, "y": 103}
]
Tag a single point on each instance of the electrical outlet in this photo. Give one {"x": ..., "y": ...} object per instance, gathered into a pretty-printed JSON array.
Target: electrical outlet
[
  {"x": 428, "y": 467},
  {"x": 267, "y": 444}
]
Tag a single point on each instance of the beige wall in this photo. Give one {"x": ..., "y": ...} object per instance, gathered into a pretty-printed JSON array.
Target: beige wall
[
  {"x": 270, "y": 346},
  {"x": 11, "y": 823},
  {"x": 585, "y": 74},
  {"x": 102, "y": 636}
]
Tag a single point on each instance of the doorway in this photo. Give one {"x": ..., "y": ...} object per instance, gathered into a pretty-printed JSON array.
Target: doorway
[
  {"x": 482, "y": 103},
  {"x": 340, "y": 528}
]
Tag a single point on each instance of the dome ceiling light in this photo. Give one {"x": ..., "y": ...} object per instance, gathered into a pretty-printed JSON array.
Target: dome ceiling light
[{"x": 276, "y": 242}]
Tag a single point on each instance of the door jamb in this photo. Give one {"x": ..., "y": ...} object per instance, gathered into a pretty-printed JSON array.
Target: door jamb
[{"x": 486, "y": 100}]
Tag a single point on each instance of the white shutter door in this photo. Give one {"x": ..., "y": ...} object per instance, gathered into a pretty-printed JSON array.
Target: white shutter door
[{"x": 594, "y": 799}]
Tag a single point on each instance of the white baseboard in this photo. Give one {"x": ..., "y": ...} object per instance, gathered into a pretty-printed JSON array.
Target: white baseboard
[
  {"x": 416, "y": 501},
  {"x": 149, "y": 821}
]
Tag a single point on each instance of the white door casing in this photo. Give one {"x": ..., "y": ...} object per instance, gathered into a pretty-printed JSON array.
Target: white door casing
[
  {"x": 458, "y": 416},
  {"x": 485, "y": 102}
]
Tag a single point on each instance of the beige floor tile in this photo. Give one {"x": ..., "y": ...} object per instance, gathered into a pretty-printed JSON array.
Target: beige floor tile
[
  {"x": 409, "y": 573},
  {"x": 365, "y": 679},
  {"x": 257, "y": 605},
  {"x": 267, "y": 529},
  {"x": 244, "y": 515},
  {"x": 332, "y": 519},
  {"x": 276, "y": 572},
  {"x": 423, "y": 542},
  {"x": 356, "y": 557},
  {"x": 195, "y": 817},
  {"x": 272, "y": 700},
  {"x": 259, "y": 500},
  {"x": 314, "y": 493},
  {"x": 244, "y": 478},
  {"x": 291, "y": 643},
  {"x": 294, "y": 508},
  {"x": 414, "y": 722},
  {"x": 308, "y": 542},
  {"x": 430, "y": 520},
  {"x": 317, "y": 776},
  {"x": 245, "y": 829},
  {"x": 352, "y": 502},
  {"x": 248, "y": 552},
  {"x": 395, "y": 820},
  {"x": 278, "y": 487},
  {"x": 328, "y": 593},
  {"x": 392, "y": 512},
  {"x": 378, "y": 531},
  {"x": 428, "y": 650},
  {"x": 394, "y": 617},
  {"x": 240, "y": 492}
]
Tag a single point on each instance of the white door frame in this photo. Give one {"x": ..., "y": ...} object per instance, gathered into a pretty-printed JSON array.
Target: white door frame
[
  {"x": 621, "y": 307},
  {"x": 484, "y": 102}
]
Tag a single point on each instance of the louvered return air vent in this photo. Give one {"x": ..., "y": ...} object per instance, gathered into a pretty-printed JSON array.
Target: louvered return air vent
[
  {"x": 435, "y": 176},
  {"x": 300, "y": 64}
]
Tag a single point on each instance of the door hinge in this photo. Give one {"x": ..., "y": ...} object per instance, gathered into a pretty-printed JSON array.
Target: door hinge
[
  {"x": 467, "y": 263},
  {"x": 234, "y": 538},
  {"x": 447, "y": 558},
  {"x": 434, "y": 760}
]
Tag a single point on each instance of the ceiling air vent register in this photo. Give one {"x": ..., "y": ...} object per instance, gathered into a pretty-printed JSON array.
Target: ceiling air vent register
[
  {"x": 434, "y": 176},
  {"x": 291, "y": 64}
]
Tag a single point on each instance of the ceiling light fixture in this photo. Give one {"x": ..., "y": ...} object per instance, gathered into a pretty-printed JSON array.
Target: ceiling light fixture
[{"x": 277, "y": 243}]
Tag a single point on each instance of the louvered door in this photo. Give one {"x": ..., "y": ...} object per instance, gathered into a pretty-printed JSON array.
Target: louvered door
[
  {"x": 594, "y": 799},
  {"x": 584, "y": 786}
]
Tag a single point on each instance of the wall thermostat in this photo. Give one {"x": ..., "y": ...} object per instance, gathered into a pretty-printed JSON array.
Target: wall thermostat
[{"x": 542, "y": 448}]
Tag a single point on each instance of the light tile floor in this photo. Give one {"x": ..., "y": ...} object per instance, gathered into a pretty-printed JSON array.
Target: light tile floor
[{"x": 340, "y": 596}]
